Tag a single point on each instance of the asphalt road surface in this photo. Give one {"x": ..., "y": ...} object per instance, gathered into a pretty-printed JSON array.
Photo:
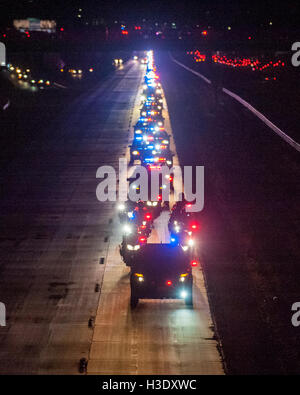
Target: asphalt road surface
[
  {"x": 250, "y": 224},
  {"x": 159, "y": 336},
  {"x": 60, "y": 265},
  {"x": 54, "y": 233}
]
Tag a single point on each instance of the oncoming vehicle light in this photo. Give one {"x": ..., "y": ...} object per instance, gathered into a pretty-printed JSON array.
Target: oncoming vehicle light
[
  {"x": 121, "y": 207},
  {"x": 140, "y": 277},
  {"x": 135, "y": 153},
  {"x": 183, "y": 277}
]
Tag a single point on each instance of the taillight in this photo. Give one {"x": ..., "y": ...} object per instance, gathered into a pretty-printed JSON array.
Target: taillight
[
  {"x": 169, "y": 282},
  {"x": 194, "y": 263},
  {"x": 194, "y": 226},
  {"x": 142, "y": 239}
]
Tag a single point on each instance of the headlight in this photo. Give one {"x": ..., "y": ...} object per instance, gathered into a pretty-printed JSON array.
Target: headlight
[
  {"x": 139, "y": 277},
  {"x": 144, "y": 113},
  {"x": 135, "y": 153},
  {"x": 121, "y": 207},
  {"x": 191, "y": 242},
  {"x": 129, "y": 247},
  {"x": 137, "y": 247},
  {"x": 138, "y": 132},
  {"x": 165, "y": 141},
  {"x": 127, "y": 229},
  {"x": 183, "y": 294},
  {"x": 183, "y": 277},
  {"x": 169, "y": 162},
  {"x": 149, "y": 203},
  {"x": 154, "y": 204},
  {"x": 185, "y": 248},
  {"x": 160, "y": 123}
]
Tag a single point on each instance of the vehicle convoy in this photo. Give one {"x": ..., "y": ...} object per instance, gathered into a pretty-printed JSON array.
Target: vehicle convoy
[
  {"x": 161, "y": 271},
  {"x": 157, "y": 270}
]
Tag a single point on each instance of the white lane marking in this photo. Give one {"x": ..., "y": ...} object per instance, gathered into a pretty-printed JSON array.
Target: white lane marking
[
  {"x": 191, "y": 70},
  {"x": 254, "y": 111},
  {"x": 265, "y": 120},
  {"x": 60, "y": 85},
  {"x": 6, "y": 105}
]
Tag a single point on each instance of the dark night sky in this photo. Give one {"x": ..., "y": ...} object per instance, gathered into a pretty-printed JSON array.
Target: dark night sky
[{"x": 213, "y": 12}]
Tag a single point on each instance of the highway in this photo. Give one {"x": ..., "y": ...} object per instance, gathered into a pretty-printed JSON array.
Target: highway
[
  {"x": 54, "y": 231},
  {"x": 60, "y": 265},
  {"x": 159, "y": 336},
  {"x": 250, "y": 246}
]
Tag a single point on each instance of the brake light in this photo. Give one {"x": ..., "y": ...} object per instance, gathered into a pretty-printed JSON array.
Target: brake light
[
  {"x": 159, "y": 197},
  {"x": 142, "y": 239},
  {"x": 194, "y": 226},
  {"x": 148, "y": 216},
  {"x": 194, "y": 263},
  {"x": 169, "y": 282}
]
